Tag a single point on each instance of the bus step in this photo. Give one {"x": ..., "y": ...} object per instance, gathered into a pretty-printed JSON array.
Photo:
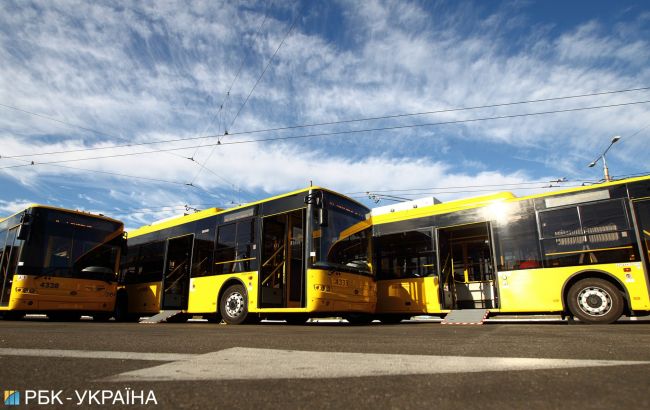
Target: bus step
[
  {"x": 466, "y": 317},
  {"x": 161, "y": 317}
]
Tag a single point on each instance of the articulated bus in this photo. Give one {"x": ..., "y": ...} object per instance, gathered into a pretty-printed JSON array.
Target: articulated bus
[
  {"x": 296, "y": 256},
  {"x": 59, "y": 262},
  {"x": 582, "y": 253}
]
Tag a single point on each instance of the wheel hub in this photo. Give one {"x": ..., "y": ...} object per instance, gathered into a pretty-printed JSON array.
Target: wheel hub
[
  {"x": 234, "y": 304},
  {"x": 594, "y": 301}
]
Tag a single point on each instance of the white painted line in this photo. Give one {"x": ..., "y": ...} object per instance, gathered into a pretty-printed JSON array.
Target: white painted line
[
  {"x": 100, "y": 354},
  {"x": 246, "y": 364}
]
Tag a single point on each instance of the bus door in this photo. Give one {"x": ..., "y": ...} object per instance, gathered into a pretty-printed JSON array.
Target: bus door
[
  {"x": 282, "y": 270},
  {"x": 642, "y": 212},
  {"x": 176, "y": 281},
  {"x": 8, "y": 263},
  {"x": 466, "y": 267}
]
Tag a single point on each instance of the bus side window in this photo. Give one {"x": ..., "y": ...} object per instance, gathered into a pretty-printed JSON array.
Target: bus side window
[
  {"x": 587, "y": 234},
  {"x": 405, "y": 255},
  {"x": 246, "y": 251},
  {"x": 151, "y": 262},
  {"x": 202, "y": 264},
  {"x": 517, "y": 240},
  {"x": 224, "y": 254}
]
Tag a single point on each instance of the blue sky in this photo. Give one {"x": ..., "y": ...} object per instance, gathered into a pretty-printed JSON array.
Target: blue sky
[{"x": 149, "y": 71}]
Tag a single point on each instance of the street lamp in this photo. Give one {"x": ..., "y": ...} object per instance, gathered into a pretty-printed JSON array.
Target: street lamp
[{"x": 602, "y": 156}]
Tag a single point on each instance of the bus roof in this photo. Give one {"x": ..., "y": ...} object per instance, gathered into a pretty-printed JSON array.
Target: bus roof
[
  {"x": 71, "y": 211},
  {"x": 182, "y": 219},
  {"x": 483, "y": 200}
]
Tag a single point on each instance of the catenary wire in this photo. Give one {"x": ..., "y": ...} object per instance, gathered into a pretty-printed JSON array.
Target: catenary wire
[
  {"x": 325, "y": 134},
  {"x": 290, "y": 127},
  {"x": 232, "y": 123},
  {"x": 232, "y": 83}
]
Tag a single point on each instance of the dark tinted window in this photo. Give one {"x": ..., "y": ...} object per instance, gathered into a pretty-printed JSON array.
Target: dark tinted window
[
  {"x": 71, "y": 245},
  {"x": 606, "y": 216},
  {"x": 639, "y": 189},
  {"x": 405, "y": 255},
  {"x": 150, "y": 262},
  {"x": 559, "y": 222},
  {"x": 204, "y": 237},
  {"x": 202, "y": 257},
  {"x": 224, "y": 253},
  {"x": 236, "y": 249},
  {"x": 517, "y": 239},
  {"x": 603, "y": 236}
]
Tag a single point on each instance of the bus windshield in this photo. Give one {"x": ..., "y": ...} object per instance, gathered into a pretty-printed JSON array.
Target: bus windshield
[
  {"x": 343, "y": 241},
  {"x": 71, "y": 245}
]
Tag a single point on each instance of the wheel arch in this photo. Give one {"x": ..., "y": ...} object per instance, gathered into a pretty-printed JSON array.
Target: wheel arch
[
  {"x": 230, "y": 282},
  {"x": 594, "y": 273}
]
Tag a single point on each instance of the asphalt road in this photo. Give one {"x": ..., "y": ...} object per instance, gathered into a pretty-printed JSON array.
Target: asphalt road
[{"x": 273, "y": 365}]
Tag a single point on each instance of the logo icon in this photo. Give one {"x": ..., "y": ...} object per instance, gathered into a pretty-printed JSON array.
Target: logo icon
[{"x": 12, "y": 398}]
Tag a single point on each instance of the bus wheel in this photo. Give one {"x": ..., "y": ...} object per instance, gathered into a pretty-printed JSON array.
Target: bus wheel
[
  {"x": 296, "y": 320},
  {"x": 234, "y": 305},
  {"x": 121, "y": 313},
  {"x": 213, "y": 318},
  {"x": 390, "y": 319},
  {"x": 178, "y": 318},
  {"x": 102, "y": 317},
  {"x": 595, "y": 301},
  {"x": 10, "y": 315},
  {"x": 64, "y": 316},
  {"x": 359, "y": 319}
]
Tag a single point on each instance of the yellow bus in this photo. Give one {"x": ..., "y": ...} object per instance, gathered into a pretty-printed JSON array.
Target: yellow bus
[
  {"x": 582, "y": 253},
  {"x": 59, "y": 262},
  {"x": 299, "y": 255}
]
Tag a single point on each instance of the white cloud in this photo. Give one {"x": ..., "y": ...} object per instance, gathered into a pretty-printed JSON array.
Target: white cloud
[
  {"x": 143, "y": 72},
  {"x": 8, "y": 208}
]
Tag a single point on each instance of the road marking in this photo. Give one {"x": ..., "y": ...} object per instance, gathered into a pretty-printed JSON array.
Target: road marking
[
  {"x": 100, "y": 354},
  {"x": 246, "y": 364}
]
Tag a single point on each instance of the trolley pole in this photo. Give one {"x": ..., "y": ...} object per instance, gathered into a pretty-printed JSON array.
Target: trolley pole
[{"x": 602, "y": 157}]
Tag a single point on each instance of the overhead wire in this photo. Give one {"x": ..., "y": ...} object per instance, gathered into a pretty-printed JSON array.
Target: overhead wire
[
  {"x": 477, "y": 190},
  {"x": 560, "y": 180},
  {"x": 109, "y": 173},
  {"x": 232, "y": 83},
  {"x": 249, "y": 132},
  {"x": 232, "y": 123},
  {"x": 333, "y": 133}
]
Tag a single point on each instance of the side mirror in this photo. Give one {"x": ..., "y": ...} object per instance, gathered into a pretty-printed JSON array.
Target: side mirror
[
  {"x": 25, "y": 227},
  {"x": 322, "y": 216},
  {"x": 124, "y": 245}
]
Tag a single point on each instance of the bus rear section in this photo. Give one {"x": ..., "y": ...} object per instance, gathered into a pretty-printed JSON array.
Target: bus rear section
[
  {"x": 59, "y": 262},
  {"x": 581, "y": 253},
  {"x": 295, "y": 256}
]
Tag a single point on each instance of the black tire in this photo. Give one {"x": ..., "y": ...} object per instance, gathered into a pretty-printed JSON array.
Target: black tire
[
  {"x": 102, "y": 317},
  {"x": 595, "y": 301},
  {"x": 296, "y": 320},
  {"x": 121, "y": 313},
  {"x": 391, "y": 319},
  {"x": 11, "y": 315},
  {"x": 64, "y": 316},
  {"x": 233, "y": 305},
  {"x": 359, "y": 319},
  {"x": 213, "y": 318},
  {"x": 178, "y": 318}
]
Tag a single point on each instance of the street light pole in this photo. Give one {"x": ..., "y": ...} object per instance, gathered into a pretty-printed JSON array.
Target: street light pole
[{"x": 602, "y": 156}]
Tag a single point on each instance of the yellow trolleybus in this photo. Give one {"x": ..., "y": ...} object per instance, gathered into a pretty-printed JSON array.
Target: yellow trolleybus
[
  {"x": 299, "y": 255},
  {"x": 581, "y": 252},
  {"x": 59, "y": 262}
]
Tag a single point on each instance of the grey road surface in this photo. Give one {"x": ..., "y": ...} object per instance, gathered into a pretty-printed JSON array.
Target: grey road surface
[{"x": 332, "y": 365}]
